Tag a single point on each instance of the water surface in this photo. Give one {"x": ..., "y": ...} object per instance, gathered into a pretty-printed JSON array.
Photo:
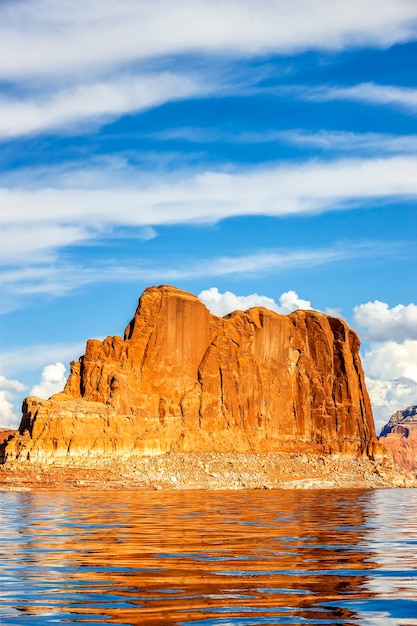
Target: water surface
[{"x": 209, "y": 558}]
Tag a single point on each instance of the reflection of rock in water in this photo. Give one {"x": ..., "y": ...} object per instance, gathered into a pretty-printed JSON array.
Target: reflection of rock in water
[
  {"x": 183, "y": 379},
  {"x": 179, "y": 557}
]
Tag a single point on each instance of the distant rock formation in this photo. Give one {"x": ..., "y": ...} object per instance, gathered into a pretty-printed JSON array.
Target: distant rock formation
[
  {"x": 5, "y": 433},
  {"x": 183, "y": 379},
  {"x": 399, "y": 435}
]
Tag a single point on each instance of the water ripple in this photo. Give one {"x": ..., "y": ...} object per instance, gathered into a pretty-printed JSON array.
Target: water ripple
[{"x": 209, "y": 559}]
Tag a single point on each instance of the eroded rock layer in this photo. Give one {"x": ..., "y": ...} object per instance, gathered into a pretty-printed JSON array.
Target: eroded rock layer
[
  {"x": 399, "y": 435},
  {"x": 182, "y": 379}
]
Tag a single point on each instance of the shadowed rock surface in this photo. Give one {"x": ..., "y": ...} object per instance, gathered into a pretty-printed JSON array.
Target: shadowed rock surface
[
  {"x": 399, "y": 435},
  {"x": 5, "y": 433},
  {"x": 183, "y": 379}
]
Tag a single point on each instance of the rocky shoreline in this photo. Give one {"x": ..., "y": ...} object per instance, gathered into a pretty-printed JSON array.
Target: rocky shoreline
[{"x": 207, "y": 471}]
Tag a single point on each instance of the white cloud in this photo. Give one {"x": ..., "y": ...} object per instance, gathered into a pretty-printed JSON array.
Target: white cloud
[
  {"x": 382, "y": 323},
  {"x": 98, "y": 102},
  {"x": 65, "y": 67},
  {"x": 56, "y": 216},
  {"x": 389, "y": 396},
  {"x": 8, "y": 390},
  {"x": 404, "y": 97},
  {"x": 12, "y": 391},
  {"x": 390, "y": 360},
  {"x": 391, "y": 371},
  {"x": 52, "y": 381},
  {"x": 223, "y": 303},
  {"x": 35, "y": 356},
  {"x": 44, "y": 38},
  {"x": 57, "y": 279},
  {"x": 20, "y": 362},
  {"x": 326, "y": 140},
  {"x": 377, "y": 143},
  {"x": 289, "y": 301}
]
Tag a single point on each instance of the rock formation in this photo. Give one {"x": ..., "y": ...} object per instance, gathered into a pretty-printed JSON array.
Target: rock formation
[
  {"x": 182, "y": 379},
  {"x": 5, "y": 433},
  {"x": 399, "y": 435}
]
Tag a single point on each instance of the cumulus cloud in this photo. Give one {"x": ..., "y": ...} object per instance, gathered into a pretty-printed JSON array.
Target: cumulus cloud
[
  {"x": 27, "y": 363},
  {"x": 390, "y": 360},
  {"x": 223, "y": 303},
  {"x": 52, "y": 381},
  {"x": 8, "y": 390},
  {"x": 289, "y": 301},
  {"x": 382, "y": 323}
]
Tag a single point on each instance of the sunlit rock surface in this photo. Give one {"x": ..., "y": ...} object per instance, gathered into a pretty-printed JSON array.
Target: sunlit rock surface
[
  {"x": 399, "y": 435},
  {"x": 183, "y": 379}
]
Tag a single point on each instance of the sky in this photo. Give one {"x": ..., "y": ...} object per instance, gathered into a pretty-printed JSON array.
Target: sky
[{"x": 250, "y": 152}]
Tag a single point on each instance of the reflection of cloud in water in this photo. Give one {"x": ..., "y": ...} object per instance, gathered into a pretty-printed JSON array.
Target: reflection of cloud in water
[
  {"x": 391, "y": 536},
  {"x": 200, "y": 557}
]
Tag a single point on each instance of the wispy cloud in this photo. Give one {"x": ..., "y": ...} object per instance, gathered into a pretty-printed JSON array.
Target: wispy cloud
[
  {"x": 95, "y": 102},
  {"x": 403, "y": 97},
  {"x": 58, "y": 279},
  {"x": 325, "y": 140},
  {"x": 58, "y": 71},
  {"x": 32, "y": 32},
  {"x": 32, "y": 357},
  {"x": 359, "y": 143},
  {"x": 58, "y": 217},
  {"x": 276, "y": 260}
]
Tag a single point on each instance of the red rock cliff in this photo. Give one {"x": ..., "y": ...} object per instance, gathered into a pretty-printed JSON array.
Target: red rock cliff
[
  {"x": 400, "y": 437},
  {"x": 183, "y": 379}
]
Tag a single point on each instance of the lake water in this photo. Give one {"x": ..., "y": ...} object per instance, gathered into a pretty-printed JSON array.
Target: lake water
[{"x": 209, "y": 558}]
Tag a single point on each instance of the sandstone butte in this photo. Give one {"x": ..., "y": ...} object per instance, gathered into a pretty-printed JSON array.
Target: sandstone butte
[
  {"x": 184, "y": 380},
  {"x": 399, "y": 435}
]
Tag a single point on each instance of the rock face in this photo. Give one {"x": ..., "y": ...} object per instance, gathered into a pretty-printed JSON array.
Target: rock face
[
  {"x": 182, "y": 379},
  {"x": 5, "y": 433},
  {"x": 399, "y": 435}
]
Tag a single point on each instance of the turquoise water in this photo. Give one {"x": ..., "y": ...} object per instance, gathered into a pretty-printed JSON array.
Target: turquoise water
[{"x": 209, "y": 559}]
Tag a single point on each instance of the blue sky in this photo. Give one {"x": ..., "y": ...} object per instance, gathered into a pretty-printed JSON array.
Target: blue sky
[{"x": 251, "y": 152}]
